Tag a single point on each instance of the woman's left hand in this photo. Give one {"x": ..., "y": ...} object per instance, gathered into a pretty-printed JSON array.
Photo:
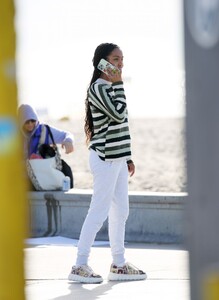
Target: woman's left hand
[
  {"x": 131, "y": 169},
  {"x": 115, "y": 75}
]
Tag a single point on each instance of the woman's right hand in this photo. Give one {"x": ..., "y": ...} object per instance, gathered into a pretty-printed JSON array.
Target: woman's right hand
[{"x": 68, "y": 147}]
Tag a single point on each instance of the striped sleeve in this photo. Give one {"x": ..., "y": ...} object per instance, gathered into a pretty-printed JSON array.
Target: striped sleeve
[{"x": 110, "y": 99}]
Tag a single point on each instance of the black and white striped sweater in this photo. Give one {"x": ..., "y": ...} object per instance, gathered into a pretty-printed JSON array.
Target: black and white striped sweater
[{"x": 111, "y": 138}]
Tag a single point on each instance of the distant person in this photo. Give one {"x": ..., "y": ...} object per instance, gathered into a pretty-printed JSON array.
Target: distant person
[
  {"x": 36, "y": 133},
  {"x": 107, "y": 131},
  {"x": 31, "y": 129}
]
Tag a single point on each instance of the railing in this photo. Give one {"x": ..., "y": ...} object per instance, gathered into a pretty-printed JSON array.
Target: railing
[{"x": 153, "y": 217}]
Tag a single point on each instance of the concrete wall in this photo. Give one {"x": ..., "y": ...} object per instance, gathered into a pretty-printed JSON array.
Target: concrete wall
[{"x": 153, "y": 218}]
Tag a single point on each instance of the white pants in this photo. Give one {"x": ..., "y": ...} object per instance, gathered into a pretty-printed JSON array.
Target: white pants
[{"x": 109, "y": 199}]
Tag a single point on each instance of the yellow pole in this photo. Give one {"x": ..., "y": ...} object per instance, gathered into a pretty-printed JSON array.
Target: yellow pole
[
  {"x": 12, "y": 186},
  {"x": 211, "y": 286}
]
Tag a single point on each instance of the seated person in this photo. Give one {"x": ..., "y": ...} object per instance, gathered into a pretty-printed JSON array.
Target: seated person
[
  {"x": 31, "y": 129},
  {"x": 35, "y": 134}
]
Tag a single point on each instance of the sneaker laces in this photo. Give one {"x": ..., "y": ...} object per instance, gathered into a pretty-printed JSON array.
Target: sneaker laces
[
  {"x": 88, "y": 269},
  {"x": 133, "y": 269},
  {"x": 128, "y": 268},
  {"x": 131, "y": 266}
]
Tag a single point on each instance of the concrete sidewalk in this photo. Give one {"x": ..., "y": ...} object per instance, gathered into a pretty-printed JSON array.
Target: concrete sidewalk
[{"x": 47, "y": 268}]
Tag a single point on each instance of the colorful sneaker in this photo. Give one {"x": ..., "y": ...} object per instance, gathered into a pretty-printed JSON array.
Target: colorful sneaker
[
  {"x": 84, "y": 274},
  {"x": 127, "y": 272}
]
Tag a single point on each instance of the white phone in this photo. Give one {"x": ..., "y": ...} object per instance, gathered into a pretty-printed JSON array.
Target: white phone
[{"x": 105, "y": 67}]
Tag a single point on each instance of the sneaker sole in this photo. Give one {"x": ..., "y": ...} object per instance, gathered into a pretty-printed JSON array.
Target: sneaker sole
[
  {"x": 124, "y": 277},
  {"x": 82, "y": 279}
]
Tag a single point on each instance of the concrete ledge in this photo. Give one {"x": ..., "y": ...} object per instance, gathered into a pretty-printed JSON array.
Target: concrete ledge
[{"x": 153, "y": 217}]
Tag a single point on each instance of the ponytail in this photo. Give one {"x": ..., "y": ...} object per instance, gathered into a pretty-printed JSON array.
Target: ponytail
[{"x": 102, "y": 51}]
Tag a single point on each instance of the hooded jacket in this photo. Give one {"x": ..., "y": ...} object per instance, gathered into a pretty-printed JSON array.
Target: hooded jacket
[{"x": 31, "y": 139}]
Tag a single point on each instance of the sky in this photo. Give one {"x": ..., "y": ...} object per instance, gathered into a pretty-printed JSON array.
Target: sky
[{"x": 56, "y": 40}]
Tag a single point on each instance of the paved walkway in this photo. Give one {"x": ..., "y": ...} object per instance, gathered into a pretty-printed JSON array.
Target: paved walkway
[{"x": 48, "y": 265}]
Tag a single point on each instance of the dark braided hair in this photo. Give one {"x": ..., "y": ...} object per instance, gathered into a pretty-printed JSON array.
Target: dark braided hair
[{"x": 102, "y": 51}]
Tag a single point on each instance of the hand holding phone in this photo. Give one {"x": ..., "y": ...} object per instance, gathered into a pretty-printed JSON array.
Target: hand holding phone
[{"x": 107, "y": 68}]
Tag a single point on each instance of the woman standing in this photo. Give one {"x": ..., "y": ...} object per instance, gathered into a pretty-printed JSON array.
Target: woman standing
[{"x": 107, "y": 132}]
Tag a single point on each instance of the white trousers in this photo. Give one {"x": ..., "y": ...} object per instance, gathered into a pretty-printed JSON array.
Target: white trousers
[{"x": 109, "y": 199}]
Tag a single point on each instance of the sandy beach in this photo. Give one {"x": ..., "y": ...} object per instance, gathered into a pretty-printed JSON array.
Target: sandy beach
[{"x": 158, "y": 150}]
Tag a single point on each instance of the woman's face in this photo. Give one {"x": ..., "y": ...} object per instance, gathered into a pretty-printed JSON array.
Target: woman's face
[
  {"x": 29, "y": 125},
  {"x": 116, "y": 58}
]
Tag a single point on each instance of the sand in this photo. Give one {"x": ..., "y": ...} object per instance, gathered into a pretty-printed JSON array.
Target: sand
[{"x": 158, "y": 150}]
